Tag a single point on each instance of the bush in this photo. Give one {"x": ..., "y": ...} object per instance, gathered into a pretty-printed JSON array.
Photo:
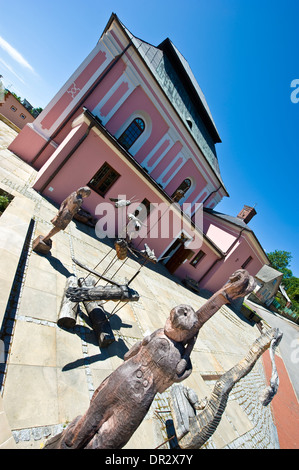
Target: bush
[{"x": 4, "y": 201}]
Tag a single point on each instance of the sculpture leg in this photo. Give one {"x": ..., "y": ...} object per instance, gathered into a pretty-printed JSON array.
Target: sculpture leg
[
  {"x": 44, "y": 244},
  {"x": 51, "y": 233}
]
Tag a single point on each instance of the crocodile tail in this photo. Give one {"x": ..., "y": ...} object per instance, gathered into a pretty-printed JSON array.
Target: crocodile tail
[{"x": 203, "y": 425}]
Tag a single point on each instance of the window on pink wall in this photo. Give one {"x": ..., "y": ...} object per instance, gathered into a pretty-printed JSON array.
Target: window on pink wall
[
  {"x": 104, "y": 178},
  {"x": 131, "y": 134},
  {"x": 180, "y": 192},
  {"x": 246, "y": 262},
  {"x": 197, "y": 258}
]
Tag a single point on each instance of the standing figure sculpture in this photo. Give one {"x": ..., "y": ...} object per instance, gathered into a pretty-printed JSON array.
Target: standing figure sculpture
[
  {"x": 68, "y": 208},
  {"x": 161, "y": 359}
]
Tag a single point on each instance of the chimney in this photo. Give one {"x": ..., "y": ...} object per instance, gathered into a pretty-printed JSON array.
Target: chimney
[{"x": 247, "y": 213}]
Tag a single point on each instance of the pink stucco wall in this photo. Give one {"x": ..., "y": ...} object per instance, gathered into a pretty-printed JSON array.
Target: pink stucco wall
[
  {"x": 188, "y": 170},
  {"x": 28, "y": 143},
  {"x": 82, "y": 166},
  {"x": 166, "y": 161},
  {"x": 224, "y": 268},
  {"x": 186, "y": 269},
  {"x": 73, "y": 90},
  {"x": 220, "y": 232},
  {"x": 138, "y": 100},
  {"x": 30, "y": 140}
]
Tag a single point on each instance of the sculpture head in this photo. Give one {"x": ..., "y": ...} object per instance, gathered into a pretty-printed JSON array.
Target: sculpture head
[
  {"x": 181, "y": 324},
  {"x": 84, "y": 191},
  {"x": 239, "y": 284}
]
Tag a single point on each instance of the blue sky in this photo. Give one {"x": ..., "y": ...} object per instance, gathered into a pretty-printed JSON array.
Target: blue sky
[{"x": 244, "y": 55}]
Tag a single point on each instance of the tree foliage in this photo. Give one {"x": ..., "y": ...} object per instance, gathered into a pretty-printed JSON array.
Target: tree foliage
[{"x": 280, "y": 260}]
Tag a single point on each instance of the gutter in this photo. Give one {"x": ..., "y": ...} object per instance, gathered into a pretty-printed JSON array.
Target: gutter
[{"x": 215, "y": 191}]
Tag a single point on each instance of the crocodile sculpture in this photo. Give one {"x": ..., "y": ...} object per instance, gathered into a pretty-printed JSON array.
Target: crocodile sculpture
[{"x": 192, "y": 429}]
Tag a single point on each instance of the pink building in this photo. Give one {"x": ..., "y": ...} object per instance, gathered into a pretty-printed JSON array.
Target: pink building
[
  {"x": 15, "y": 112},
  {"x": 132, "y": 121}
]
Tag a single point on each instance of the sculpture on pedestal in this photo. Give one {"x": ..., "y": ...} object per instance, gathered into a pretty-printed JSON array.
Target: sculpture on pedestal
[
  {"x": 161, "y": 359},
  {"x": 68, "y": 208}
]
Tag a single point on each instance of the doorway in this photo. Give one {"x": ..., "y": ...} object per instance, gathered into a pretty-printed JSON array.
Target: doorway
[{"x": 177, "y": 254}]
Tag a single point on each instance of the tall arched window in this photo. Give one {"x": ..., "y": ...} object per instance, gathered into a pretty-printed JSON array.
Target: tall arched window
[
  {"x": 131, "y": 134},
  {"x": 181, "y": 190}
]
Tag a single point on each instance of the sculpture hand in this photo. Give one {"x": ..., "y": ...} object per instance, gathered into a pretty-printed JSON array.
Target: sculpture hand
[{"x": 181, "y": 367}]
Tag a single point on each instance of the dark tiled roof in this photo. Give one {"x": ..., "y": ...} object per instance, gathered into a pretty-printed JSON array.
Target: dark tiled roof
[{"x": 229, "y": 218}]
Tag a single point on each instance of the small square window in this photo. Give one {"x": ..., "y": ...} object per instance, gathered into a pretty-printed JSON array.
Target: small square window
[
  {"x": 23, "y": 116},
  {"x": 102, "y": 181},
  {"x": 13, "y": 108},
  {"x": 246, "y": 262},
  {"x": 197, "y": 258}
]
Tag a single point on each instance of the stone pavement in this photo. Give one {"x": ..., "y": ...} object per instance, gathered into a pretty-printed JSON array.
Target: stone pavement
[{"x": 50, "y": 373}]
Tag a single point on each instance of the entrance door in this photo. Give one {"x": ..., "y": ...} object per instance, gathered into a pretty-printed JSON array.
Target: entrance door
[{"x": 178, "y": 258}]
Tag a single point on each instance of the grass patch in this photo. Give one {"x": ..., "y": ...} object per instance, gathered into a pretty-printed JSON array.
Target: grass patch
[{"x": 5, "y": 200}]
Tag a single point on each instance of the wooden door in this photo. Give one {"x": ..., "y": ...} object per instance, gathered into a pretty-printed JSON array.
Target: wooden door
[{"x": 178, "y": 258}]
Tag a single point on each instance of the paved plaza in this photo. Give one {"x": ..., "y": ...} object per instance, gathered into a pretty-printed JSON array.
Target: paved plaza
[{"x": 50, "y": 373}]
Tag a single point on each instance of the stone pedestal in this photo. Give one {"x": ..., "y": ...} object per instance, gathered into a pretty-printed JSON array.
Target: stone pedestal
[{"x": 39, "y": 246}]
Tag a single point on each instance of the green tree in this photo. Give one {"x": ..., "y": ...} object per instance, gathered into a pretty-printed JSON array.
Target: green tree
[{"x": 280, "y": 260}]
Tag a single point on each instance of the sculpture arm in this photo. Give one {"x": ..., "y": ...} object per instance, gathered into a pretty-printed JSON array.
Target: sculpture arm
[
  {"x": 186, "y": 356},
  {"x": 186, "y": 372}
]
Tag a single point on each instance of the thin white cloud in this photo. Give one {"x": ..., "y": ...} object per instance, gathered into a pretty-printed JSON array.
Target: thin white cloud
[
  {"x": 11, "y": 70},
  {"x": 14, "y": 54}
]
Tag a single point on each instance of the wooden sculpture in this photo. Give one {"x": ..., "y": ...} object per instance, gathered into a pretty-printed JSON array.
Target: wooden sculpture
[
  {"x": 68, "y": 208},
  {"x": 193, "y": 429},
  {"x": 161, "y": 359}
]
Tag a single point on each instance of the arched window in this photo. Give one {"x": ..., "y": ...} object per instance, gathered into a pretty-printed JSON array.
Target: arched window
[
  {"x": 181, "y": 190},
  {"x": 131, "y": 134}
]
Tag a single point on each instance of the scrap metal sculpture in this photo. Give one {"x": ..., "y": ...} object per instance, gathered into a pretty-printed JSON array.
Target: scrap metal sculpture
[
  {"x": 114, "y": 293},
  {"x": 193, "y": 429},
  {"x": 161, "y": 359}
]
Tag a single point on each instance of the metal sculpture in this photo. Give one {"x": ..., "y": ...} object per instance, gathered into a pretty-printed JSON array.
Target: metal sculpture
[
  {"x": 114, "y": 293},
  {"x": 194, "y": 429},
  {"x": 120, "y": 403},
  {"x": 119, "y": 203}
]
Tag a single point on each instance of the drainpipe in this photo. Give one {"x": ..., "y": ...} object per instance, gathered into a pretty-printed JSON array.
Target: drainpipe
[
  {"x": 87, "y": 94},
  {"x": 73, "y": 150},
  {"x": 215, "y": 191},
  {"x": 224, "y": 255},
  {"x": 210, "y": 268}
]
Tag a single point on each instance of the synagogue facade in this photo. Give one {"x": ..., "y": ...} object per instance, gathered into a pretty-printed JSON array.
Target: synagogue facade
[{"x": 132, "y": 122}]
